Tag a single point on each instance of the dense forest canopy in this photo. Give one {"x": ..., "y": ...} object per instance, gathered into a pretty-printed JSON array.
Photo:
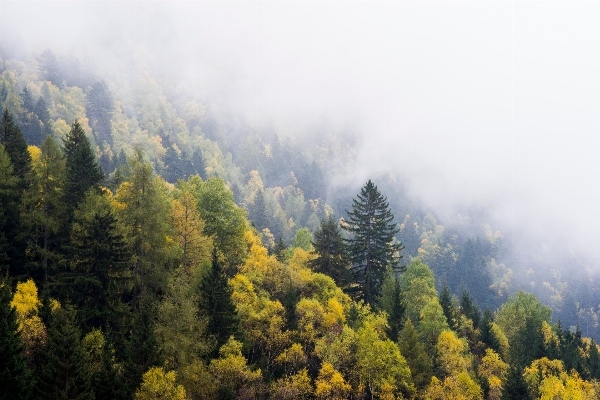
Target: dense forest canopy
[{"x": 161, "y": 243}]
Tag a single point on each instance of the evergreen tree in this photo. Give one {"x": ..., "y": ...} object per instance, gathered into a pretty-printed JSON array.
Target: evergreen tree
[
  {"x": 413, "y": 350},
  {"x": 82, "y": 169},
  {"x": 258, "y": 212},
  {"x": 332, "y": 255},
  {"x": 7, "y": 186},
  {"x": 99, "y": 109},
  {"x": 43, "y": 115},
  {"x": 372, "y": 249},
  {"x": 469, "y": 309},
  {"x": 448, "y": 307},
  {"x": 27, "y": 100},
  {"x": 142, "y": 350},
  {"x": 279, "y": 249},
  {"x": 396, "y": 313},
  {"x": 65, "y": 373},
  {"x": 486, "y": 335},
  {"x": 100, "y": 267},
  {"x": 15, "y": 146},
  {"x": 515, "y": 387},
  {"x": 43, "y": 209},
  {"x": 198, "y": 165},
  {"x": 16, "y": 382},
  {"x": 593, "y": 361},
  {"x": 216, "y": 302}
]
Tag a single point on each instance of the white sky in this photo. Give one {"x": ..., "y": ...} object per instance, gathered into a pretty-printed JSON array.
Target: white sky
[{"x": 492, "y": 102}]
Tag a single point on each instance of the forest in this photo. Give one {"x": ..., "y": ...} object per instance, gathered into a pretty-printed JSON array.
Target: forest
[{"x": 154, "y": 246}]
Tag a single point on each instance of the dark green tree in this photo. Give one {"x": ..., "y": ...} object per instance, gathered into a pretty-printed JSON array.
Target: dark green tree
[
  {"x": 486, "y": 334},
  {"x": 279, "y": 249},
  {"x": 15, "y": 146},
  {"x": 448, "y": 306},
  {"x": 257, "y": 212},
  {"x": 65, "y": 373},
  {"x": 216, "y": 302},
  {"x": 593, "y": 361},
  {"x": 16, "y": 380},
  {"x": 413, "y": 350},
  {"x": 82, "y": 169},
  {"x": 469, "y": 309},
  {"x": 43, "y": 115},
  {"x": 371, "y": 248},
  {"x": 396, "y": 311},
  {"x": 99, "y": 108},
  {"x": 515, "y": 387},
  {"x": 332, "y": 256},
  {"x": 142, "y": 350},
  {"x": 100, "y": 262},
  {"x": 7, "y": 186}
]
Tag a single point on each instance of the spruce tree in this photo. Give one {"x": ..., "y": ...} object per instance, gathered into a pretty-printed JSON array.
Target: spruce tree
[
  {"x": 469, "y": 309},
  {"x": 82, "y": 169},
  {"x": 16, "y": 381},
  {"x": 413, "y": 350},
  {"x": 448, "y": 307},
  {"x": 99, "y": 263},
  {"x": 332, "y": 255},
  {"x": 15, "y": 146},
  {"x": 372, "y": 249},
  {"x": 65, "y": 373},
  {"x": 216, "y": 302},
  {"x": 7, "y": 187},
  {"x": 258, "y": 212}
]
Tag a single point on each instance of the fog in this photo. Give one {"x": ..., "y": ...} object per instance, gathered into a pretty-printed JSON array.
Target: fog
[{"x": 488, "y": 103}]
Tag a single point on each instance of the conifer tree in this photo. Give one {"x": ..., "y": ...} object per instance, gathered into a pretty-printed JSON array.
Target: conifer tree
[
  {"x": 258, "y": 211},
  {"x": 486, "y": 335},
  {"x": 99, "y": 266},
  {"x": 216, "y": 302},
  {"x": 142, "y": 349},
  {"x": 43, "y": 115},
  {"x": 15, "y": 146},
  {"x": 414, "y": 352},
  {"x": 372, "y": 249},
  {"x": 16, "y": 382},
  {"x": 396, "y": 314},
  {"x": 469, "y": 309},
  {"x": 332, "y": 255},
  {"x": 82, "y": 169},
  {"x": 43, "y": 208},
  {"x": 7, "y": 186},
  {"x": 65, "y": 373},
  {"x": 448, "y": 306}
]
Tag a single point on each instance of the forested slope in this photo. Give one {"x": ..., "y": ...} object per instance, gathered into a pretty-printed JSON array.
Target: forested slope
[{"x": 159, "y": 243}]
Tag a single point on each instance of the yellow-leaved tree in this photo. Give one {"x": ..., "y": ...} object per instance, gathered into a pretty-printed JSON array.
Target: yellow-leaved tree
[
  {"x": 156, "y": 384},
  {"x": 31, "y": 328}
]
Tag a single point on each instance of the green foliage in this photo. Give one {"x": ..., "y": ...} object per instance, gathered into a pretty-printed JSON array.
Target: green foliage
[
  {"x": 332, "y": 256},
  {"x": 81, "y": 169},
  {"x": 217, "y": 304},
  {"x": 66, "y": 372},
  {"x": 372, "y": 249},
  {"x": 17, "y": 381},
  {"x": 413, "y": 350},
  {"x": 224, "y": 221}
]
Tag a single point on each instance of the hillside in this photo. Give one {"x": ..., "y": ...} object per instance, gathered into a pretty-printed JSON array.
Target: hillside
[{"x": 160, "y": 232}]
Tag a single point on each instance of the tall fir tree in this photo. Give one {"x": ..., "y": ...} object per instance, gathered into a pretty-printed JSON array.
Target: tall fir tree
[
  {"x": 447, "y": 303},
  {"x": 7, "y": 187},
  {"x": 16, "y": 381},
  {"x": 99, "y": 264},
  {"x": 43, "y": 210},
  {"x": 332, "y": 255},
  {"x": 66, "y": 373},
  {"x": 216, "y": 302},
  {"x": 15, "y": 146},
  {"x": 82, "y": 169},
  {"x": 469, "y": 309},
  {"x": 257, "y": 211},
  {"x": 372, "y": 249},
  {"x": 486, "y": 334}
]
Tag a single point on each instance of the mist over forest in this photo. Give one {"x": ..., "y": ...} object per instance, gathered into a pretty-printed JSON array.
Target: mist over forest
[{"x": 477, "y": 121}]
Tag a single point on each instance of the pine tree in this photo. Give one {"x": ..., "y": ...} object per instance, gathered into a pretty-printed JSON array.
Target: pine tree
[
  {"x": 65, "y": 373},
  {"x": 448, "y": 306},
  {"x": 7, "y": 186},
  {"x": 469, "y": 309},
  {"x": 16, "y": 381},
  {"x": 372, "y": 249},
  {"x": 142, "y": 349},
  {"x": 43, "y": 115},
  {"x": 82, "y": 169},
  {"x": 414, "y": 352},
  {"x": 396, "y": 314},
  {"x": 486, "y": 335},
  {"x": 258, "y": 212},
  {"x": 216, "y": 302},
  {"x": 99, "y": 109},
  {"x": 43, "y": 209},
  {"x": 332, "y": 255},
  {"x": 15, "y": 146},
  {"x": 100, "y": 268}
]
